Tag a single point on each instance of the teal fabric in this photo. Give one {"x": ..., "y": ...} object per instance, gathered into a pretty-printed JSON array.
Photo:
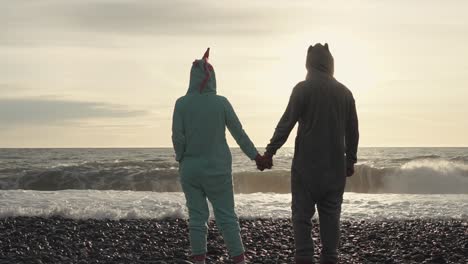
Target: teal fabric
[
  {"x": 218, "y": 189},
  {"x": 205, "y": 163}
]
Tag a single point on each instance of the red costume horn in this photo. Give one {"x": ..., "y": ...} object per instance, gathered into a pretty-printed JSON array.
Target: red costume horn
[
  {"x": 207, "y": 71},
  {"x": 207, "y": 54}
]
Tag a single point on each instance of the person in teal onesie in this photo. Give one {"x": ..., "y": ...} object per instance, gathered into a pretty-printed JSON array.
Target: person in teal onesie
[{"x": 198, "y": 135}]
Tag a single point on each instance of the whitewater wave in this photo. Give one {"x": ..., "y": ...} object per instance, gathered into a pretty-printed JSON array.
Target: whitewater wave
[
  {"x": 417, "y": 176},
  {"x": 421, "y": 176},
  {"x": 86, "y": 204}
]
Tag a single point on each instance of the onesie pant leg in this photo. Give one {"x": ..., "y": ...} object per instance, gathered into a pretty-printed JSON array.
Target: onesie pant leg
[
  {"x": 303, "y": 209},
  {"x": 329, "y": 209},
  {"x": 221, "y": 196},
  {"x": 198, "y": 216}
]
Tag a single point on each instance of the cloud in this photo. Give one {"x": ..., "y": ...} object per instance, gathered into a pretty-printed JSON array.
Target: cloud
[
  {"x": 158, "y": 17},
  {"x": 32, "y": 22},
  {"x": 103, "y": 23},
  {"x": 27, "y": 111}
]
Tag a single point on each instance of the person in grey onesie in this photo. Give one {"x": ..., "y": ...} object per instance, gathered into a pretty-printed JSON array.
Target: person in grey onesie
[{"x": 325, "y": 153}]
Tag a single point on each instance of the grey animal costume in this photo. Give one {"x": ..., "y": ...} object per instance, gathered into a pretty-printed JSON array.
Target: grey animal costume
[{"x": 326, "y": 142}]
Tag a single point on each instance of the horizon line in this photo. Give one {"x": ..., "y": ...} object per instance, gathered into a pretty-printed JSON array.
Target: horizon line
[{"x": 237, "y": 147}]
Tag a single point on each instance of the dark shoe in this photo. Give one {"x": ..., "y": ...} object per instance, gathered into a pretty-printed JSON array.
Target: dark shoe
[
  {"x": 199, "y": 259},
  {"x": 304, "y": 261},
  {"x": 239, "y": 259}
]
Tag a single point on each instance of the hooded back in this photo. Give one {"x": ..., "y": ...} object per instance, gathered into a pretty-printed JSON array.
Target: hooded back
[
  {"x": 199, "y": 123},
  {"x": 326, "y": 113}
]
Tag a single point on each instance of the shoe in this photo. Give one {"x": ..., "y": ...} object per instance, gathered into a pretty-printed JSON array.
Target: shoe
[
  {"x": 239, "y": 259},
  {"x": 304, "y": 261},
  {"x": 199, "y": 259}
]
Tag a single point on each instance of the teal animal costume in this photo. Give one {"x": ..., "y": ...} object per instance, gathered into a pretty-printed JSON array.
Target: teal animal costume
[{"x": 198, "y": 134}]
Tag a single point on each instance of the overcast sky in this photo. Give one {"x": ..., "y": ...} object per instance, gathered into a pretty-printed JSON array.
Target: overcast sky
[{"x": 106, "y": 73}]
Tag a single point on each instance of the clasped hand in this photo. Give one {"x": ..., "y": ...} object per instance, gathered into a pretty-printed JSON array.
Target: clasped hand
[{"x": 264, "y": 161}]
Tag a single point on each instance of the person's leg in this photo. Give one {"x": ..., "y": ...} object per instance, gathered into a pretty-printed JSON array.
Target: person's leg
[
  {"x": 198, "y": 217},
  {"x": 329, "y": 209},
  {"x": 303, "y": 209},
  {"x": 221, "y": 195}
]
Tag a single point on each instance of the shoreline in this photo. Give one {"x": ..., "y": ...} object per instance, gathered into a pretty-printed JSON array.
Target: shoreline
[{"x": 62, "y": 240}]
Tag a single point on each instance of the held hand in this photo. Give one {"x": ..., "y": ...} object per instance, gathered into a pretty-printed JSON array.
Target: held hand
[
  {"x": 268, "y": 159},
  {"x": 350, "y": 170},
  {"x": 259, "y": 162},
  {"x": 263, "y": 162}
]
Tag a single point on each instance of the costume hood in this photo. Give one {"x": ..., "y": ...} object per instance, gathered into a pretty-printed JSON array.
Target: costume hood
[
  {"x": 319, "y": 58},
  {"x": 202, "y": 76}
]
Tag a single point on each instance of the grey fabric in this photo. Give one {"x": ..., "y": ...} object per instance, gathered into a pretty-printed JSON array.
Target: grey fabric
[
  {"x": 328, "y": 124},
  {"x": 326, "y": 142},
  {"x": 306, "y": 195}
]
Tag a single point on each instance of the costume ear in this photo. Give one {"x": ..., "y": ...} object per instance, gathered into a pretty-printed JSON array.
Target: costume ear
[
  {"x": 310, "y": 48},
  {"x": 207, "y": 54},
  {"x": 326, "y": 46}
]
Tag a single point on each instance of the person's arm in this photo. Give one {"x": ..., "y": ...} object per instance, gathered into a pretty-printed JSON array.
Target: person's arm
[
  {"x": 286, "y": 123},
  {"x": 351, "y": 138},
  {"x": 238, "y": 133},
  {"x": 178, "y": 134}
]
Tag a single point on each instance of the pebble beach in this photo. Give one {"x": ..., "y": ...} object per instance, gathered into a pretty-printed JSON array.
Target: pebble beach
[{"x": 61, "y": 240}]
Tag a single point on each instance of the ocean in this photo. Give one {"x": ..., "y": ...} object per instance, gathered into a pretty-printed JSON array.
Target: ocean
[{"x": 117, "y": 183}]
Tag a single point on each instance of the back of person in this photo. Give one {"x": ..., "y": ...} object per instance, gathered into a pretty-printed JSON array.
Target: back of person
[
  {"x": 320, "y": 147},
  {"x": 199, "y": 139},
  {"x": 205, "y": 138},
  {"x": 328, "y": 130},
  {"x": 325, "y": 111}
]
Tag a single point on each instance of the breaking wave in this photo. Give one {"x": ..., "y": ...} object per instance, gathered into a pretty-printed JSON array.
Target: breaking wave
[{"x": 428, "y": 175}]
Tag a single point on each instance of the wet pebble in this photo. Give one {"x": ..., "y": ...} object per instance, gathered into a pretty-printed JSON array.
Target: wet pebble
[{"x": 60, "y": 240}]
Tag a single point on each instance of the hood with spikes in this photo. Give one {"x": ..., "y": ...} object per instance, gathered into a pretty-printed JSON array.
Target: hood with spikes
[
  {"x": 202, "y": 76},
  {"x": 319, "y": 58}
]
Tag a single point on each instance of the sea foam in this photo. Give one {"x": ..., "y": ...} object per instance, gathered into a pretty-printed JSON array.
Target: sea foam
[{"x": 94, "y": 204}]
